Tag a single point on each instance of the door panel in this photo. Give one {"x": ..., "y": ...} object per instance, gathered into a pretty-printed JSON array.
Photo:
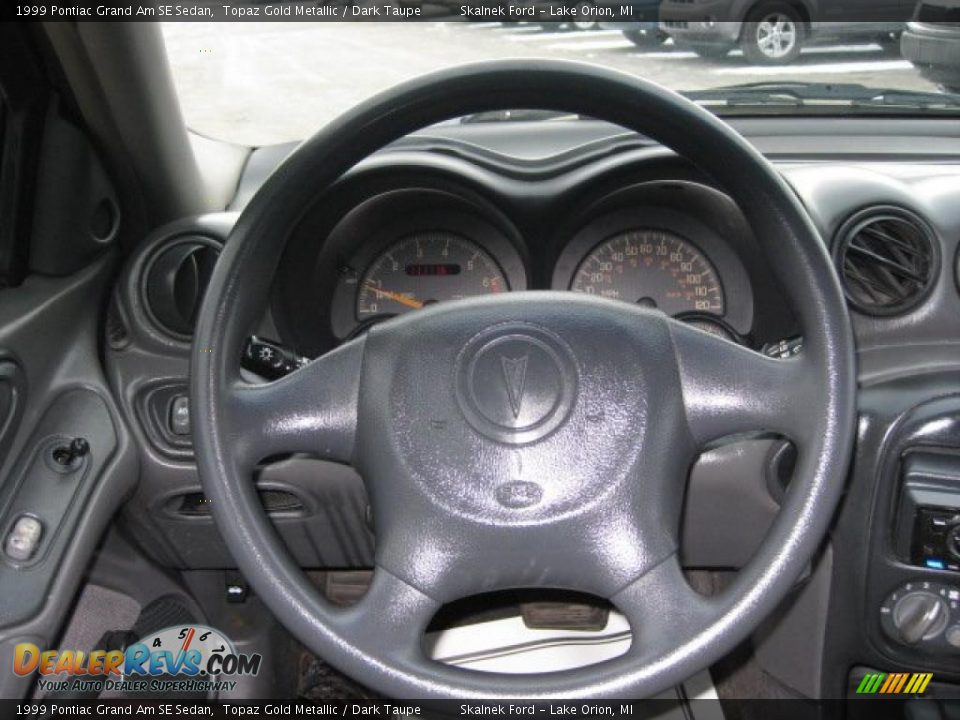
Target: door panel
[{"x": 59, "y": 224}]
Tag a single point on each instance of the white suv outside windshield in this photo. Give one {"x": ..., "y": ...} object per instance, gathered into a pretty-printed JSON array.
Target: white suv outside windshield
[{"x": 259, "y": 83}]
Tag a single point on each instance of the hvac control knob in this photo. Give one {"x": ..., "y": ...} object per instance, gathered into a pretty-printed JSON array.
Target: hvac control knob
[{"x": 920, "y": 615}]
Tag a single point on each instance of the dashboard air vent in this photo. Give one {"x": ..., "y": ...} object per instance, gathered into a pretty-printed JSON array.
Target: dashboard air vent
[
  {"x": 175, "y": 281},
  {"x": 888, "y": 260}
]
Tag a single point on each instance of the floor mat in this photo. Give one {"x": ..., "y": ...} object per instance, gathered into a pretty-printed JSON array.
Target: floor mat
[
  {"x": 739, "y": 679},
  {"x": 164, "y": 612},
  {"x": 319, "y": 681},
  {"x": 98, "y": 611},
  {"x": 161, "y": 613}
]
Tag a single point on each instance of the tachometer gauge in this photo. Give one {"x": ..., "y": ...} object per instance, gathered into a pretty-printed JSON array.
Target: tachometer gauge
[
  {"x": 426, "y": 268},
  {"x": 653, "y": 268}
]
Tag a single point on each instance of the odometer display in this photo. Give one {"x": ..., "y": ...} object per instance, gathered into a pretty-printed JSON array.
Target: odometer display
[
  {"x": 426, "y": 268},
  {"x": 653, "y": 268}
]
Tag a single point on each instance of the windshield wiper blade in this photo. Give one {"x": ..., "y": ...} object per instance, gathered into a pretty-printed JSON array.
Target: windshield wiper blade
[
  {"x": 915, "y": 98},
  {"x": 796, "y": 94}
]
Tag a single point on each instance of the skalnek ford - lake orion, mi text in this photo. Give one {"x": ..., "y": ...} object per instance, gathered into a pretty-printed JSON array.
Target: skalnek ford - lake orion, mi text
[{"x": 557, "y": 13}]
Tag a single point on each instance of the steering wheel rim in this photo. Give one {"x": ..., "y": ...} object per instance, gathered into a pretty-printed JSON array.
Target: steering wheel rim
[{"x": 327, "y": 409}]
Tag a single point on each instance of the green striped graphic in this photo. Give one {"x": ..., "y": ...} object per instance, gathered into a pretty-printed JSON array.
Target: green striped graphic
[
  {"x": 895, "y": 684},
  {"x": 870, "y": 683}
]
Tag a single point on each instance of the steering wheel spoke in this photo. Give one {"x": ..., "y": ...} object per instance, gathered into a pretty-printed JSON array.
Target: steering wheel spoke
[
  {"x": 392, "y": 614},
  {"x": 729, "y": 389},
  {"x": 658, "y": 602},
  {"x": 312, "y": 410}
]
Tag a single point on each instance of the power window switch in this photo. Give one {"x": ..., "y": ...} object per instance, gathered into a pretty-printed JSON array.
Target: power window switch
[
  {"x": 24, "y": 538},
  {"x": 180, "y": 415}
]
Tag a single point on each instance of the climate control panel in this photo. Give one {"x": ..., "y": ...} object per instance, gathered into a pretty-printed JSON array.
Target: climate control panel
[{"x": 925, "y": 615}]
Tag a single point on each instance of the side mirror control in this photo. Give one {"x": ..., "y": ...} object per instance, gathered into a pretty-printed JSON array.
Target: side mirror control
[{"x": 68, "y": 456}]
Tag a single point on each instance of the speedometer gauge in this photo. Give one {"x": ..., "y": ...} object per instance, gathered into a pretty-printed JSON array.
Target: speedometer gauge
[
  {"x": 653, "y": 268},
  {"x": 426, "y": 268}
]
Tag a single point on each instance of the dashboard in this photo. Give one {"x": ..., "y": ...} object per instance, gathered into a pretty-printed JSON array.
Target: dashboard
[
  {"x": 465, "y": 210},
  {"x": 583, "y": 207}
]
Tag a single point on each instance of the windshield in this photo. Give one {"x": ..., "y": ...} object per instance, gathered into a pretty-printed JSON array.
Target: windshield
[{"x": 259, "y": 83}]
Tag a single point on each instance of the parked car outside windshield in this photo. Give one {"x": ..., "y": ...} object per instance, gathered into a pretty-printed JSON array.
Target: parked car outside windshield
[{"x": 256, "y": 83}]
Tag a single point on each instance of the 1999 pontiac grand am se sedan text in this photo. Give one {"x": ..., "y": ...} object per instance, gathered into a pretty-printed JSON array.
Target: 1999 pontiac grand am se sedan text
[{"x": 452, "y": 361}]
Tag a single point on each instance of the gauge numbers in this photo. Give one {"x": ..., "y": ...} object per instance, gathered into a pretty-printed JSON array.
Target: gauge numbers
[
  {"x": 426, "y": 268},
  {"x": 653, "y": 268}
]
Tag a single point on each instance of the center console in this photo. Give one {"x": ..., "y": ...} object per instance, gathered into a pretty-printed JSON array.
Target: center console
[
  {"x": 895, "y": 599},
  {"x": 928, "y": 519},
  {"x": 924, "y": 613}
]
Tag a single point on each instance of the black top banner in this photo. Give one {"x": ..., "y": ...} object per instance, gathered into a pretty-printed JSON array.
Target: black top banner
[{"x": 689, "y": 15}]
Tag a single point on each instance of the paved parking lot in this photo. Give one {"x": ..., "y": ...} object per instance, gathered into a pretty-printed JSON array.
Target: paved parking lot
[{"x": 260, "y": 83}]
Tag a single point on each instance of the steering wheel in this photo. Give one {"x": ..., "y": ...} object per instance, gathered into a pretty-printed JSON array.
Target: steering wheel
[{"x": 535, "y": 439}]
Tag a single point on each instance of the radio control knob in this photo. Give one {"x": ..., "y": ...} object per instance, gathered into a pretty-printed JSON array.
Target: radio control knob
[
  {"x": 953, "y": 636},
  {"x": 920, "y": 615}
]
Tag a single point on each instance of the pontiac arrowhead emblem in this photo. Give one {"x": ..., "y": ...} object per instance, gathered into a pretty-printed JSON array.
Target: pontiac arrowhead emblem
[
  {"x": 514, "y": 376},
  {"x": 515, "y": 382}
]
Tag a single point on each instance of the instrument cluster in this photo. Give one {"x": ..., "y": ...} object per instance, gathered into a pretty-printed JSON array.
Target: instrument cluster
[{"x": 665, "y": 246}]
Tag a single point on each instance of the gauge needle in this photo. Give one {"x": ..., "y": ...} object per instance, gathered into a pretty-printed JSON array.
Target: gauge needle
[{"x": 398, "y": 297}]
